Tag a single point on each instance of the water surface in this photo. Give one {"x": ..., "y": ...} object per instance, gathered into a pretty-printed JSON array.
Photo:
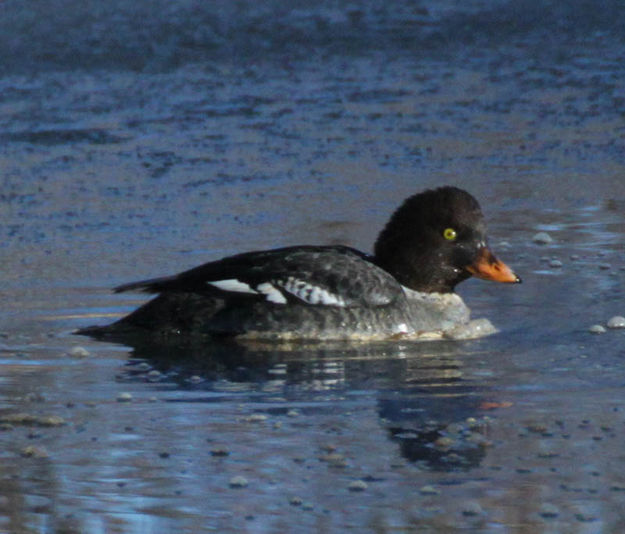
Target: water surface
[{"x": 132, "y": 153}]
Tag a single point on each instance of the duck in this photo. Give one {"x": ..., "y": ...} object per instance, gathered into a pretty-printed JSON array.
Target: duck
[{"x": 435, "y": 240}]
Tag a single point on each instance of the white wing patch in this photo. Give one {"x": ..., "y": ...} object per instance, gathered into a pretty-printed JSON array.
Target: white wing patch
[
  {"x": 233, "y": 285},
  {"x": 311, "y": 293},
  {"x": 301, "y": 289},
  {"x": 272, "y": 293}
]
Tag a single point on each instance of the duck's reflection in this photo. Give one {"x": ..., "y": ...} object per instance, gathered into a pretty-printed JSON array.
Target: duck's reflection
[{"x": 425, "y": 400}]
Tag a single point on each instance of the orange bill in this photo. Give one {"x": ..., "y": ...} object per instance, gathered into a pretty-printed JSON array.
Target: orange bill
[{"x": 488, "y": 267}]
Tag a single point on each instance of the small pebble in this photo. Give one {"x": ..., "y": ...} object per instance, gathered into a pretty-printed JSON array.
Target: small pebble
[
  {"x": 296, "y": 501},
  {"x": 79, "y": 352},
  {"x": 555, "y": 264},
  {"x": 605, "y": 266},
  {"x": 238, "y": 482},
  {"x": 292, "y": 413},
  {"x": 574, "y": 257},
  {"x": 536, "y": 427},
  {"x": 256, "y": 418},
  {"x": 597, "y": 329},
  {"x": 334, "y": 460},
  {"x": 471, "y": 509},
  {"x": 220, "y": 451},
  {"x": 34, "y": 452},
  {"x": 51, "y": 420},
  {"x": 429, "y": 490},
  {"x": 542, "y": 238},
  {"x": 124, "y": 397},
  {"x": 32, "y": 420},
  {"x": 617, "y": 321},
  {"x": 583, "y": 517},
  {"x": 548, "y": 511},
  {"x": 444, "y": 442},
  {"x": 195, "y": 379},
  {"x": 357, "y": 485}
]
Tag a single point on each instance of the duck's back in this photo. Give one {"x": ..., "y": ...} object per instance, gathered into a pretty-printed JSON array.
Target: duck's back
[{"x": 295, "y": 292}]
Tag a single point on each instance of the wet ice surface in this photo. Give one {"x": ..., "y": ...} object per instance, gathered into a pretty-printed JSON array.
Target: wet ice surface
[{"x": 122, "y": 161}]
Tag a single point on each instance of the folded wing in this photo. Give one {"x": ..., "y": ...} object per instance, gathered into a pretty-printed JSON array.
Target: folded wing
[{"x": 314, "y": 276}]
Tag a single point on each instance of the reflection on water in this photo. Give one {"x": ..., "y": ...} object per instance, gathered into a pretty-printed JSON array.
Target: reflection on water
[
  {"x": 270, "y": 409},
  {"x": 426, "y": 404}
]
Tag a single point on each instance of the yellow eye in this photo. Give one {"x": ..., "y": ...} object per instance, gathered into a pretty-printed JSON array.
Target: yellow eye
[{"x": 449, "y": 234}]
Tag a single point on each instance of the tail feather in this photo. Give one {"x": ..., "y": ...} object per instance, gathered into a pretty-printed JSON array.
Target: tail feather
[{"x": 152, "y": 285}]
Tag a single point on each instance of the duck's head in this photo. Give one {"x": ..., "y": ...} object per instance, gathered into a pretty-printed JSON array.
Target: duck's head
[{"x": 437, "y": 239}]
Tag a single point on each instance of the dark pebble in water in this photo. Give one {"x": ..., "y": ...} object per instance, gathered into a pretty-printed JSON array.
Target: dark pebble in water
[
  {"x": 357, "y": 485},
  {"x": 537, "y": 428},
  {"x": 548, "y": 511}
]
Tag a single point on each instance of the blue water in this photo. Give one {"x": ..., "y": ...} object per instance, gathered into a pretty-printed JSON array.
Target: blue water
[{"x": 141, "y": 139}]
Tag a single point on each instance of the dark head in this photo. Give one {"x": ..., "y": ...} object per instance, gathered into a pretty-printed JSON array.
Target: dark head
[{"x": 437, "y": 239}]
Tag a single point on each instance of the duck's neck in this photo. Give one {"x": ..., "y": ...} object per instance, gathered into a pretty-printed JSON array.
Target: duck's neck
[{"x": 420, "y": 273}]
